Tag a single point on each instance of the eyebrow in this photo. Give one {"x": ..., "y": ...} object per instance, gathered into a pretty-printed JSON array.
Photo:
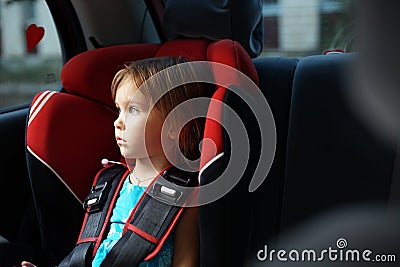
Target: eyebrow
[{"x": 132, "y": 102}]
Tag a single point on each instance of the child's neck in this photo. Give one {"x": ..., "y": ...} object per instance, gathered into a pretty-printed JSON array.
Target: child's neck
[{"x": 150, "y": 167}]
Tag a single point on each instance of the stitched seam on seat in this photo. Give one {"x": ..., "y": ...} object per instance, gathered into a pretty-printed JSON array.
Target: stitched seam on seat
[
  {"x": 236, "y": 56},
  {"x": 38, "y": 100},
  {"x": 209, "y": 163},
  {"x": 40, "y": 106},
  {"x": 55, "y": 173}
]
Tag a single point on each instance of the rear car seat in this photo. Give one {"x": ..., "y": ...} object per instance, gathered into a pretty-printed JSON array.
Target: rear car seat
[
  {"x": 333, "y": 158},
  {"x": 332, "y": 173}
]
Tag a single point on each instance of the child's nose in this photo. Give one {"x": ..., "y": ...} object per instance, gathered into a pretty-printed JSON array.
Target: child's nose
[{"x": 119, "y": 124}]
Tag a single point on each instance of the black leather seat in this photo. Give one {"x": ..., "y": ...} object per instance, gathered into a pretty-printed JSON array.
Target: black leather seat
[
  {"x": 333, "y": 158},
  {"x": 327, "y": 160}
]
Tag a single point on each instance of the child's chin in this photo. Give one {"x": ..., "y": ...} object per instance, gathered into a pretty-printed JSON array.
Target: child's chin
[
  {"x": 128, "y": 155},
  {"x": 125, "y": 153}
]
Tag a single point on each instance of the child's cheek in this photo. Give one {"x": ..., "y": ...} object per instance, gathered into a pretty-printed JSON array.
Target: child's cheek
[
  {"x": 153, "y": 132},
  {"x": 134, "y": 135}
]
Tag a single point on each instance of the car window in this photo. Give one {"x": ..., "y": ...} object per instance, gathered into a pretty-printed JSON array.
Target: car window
[
  {"x": 307, "y": 27},
  {"x": 30, "y": 51}
]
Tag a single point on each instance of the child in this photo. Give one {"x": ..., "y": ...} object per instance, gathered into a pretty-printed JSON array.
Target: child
[{"x": 138, "y": 135}]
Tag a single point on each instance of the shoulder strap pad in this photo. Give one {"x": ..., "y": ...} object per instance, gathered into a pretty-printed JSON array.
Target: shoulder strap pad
[{"x": 101, "y": 197}]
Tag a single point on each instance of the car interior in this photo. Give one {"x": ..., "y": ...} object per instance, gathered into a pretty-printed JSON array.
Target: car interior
[{"x": 335, "y": 167}]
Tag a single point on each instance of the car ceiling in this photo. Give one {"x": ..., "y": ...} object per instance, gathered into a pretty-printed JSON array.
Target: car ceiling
[{"x": 115, "y": 22}]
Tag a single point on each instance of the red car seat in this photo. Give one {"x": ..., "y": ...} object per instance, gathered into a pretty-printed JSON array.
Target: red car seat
[{"x": 70, "y": 131}]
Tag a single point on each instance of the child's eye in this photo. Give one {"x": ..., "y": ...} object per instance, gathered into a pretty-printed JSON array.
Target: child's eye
[
  {"x": 133, "y": 110},
  {"x": 118, "y": 110}
]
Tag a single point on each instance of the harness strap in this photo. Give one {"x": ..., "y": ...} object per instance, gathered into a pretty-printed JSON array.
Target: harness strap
[
  {"x": 145, "y": 230},
  {"x": 151, "y": 220},
  {"x": 81, "y": 257},
  {"x": 97, "y": 205}
]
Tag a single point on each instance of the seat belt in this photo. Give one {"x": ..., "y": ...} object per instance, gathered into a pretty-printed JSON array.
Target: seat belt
[
  {"x": 98, "y": 206},
  {"x": 146, "y": 229}
]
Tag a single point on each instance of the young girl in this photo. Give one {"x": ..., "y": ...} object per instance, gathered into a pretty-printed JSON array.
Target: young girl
[{"x": 138, "y": 135}]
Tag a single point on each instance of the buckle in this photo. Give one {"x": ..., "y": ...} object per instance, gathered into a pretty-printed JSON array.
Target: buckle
[
  {"x": 168, "y": 193},
  {"x": 97, "y": 197},
  {"x": 168, "y": 188}
]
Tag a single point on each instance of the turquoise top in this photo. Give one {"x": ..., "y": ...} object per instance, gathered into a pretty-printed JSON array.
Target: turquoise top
[{"x": 127, "y": 200}]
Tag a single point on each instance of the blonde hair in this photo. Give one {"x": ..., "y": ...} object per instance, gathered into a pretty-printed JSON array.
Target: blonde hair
[{"x": 140, "y": 71}]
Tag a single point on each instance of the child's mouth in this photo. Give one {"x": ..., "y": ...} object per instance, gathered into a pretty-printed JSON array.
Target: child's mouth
[{"x": 120, "y": 141}]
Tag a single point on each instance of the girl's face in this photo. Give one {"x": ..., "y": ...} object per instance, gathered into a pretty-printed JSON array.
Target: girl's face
[{"x": 137, "y": 130}]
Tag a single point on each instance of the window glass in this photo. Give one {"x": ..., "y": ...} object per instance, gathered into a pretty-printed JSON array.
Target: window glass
[
  {"x": 30, "y": 51},
  {"x": 307, "y": 27}
]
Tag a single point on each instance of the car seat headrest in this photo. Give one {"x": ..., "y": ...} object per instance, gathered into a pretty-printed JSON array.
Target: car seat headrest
[
  {"x": 238, "y": 20},
  {"x": 89, "y": 74}
]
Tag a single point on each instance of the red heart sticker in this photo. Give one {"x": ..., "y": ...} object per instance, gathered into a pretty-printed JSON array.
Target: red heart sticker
[{"x": 34, "y": 35}]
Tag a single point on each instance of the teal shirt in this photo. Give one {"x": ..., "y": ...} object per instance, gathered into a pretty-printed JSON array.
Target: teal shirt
[{"x": 127, "y": 200}]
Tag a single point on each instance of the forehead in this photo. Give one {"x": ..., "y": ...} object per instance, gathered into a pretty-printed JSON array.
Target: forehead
[{"x": 127, "y": 91}]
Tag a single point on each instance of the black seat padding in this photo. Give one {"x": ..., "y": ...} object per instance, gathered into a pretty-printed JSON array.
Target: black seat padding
[
  {"x": 232, "y": 226},
  {"x": 19, "y": 222},
  {"x": 276, "y": 78},
  {"x": 333, "y": 158},
  {"x": 3, "y": 240}
]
